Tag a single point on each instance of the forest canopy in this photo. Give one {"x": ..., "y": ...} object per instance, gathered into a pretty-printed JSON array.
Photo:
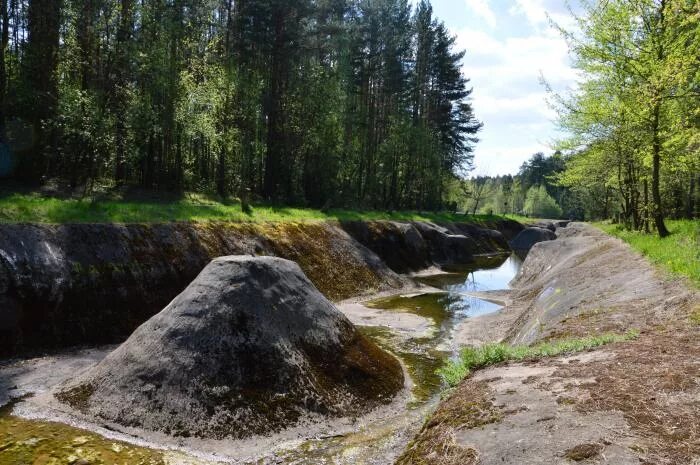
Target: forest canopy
[
  {"x": 633, "y": 123},
  {"x": 308, "y": 102}
]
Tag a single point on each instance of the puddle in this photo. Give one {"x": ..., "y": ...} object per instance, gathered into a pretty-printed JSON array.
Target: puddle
[{"x": 39, "y": 442}]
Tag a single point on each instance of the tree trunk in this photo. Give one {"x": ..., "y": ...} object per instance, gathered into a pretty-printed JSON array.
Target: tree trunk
[
  {"x": 221, "y": 187},
  {"x": 656, "y": 174},
  {"x": 646, "y": 206},
  {"x": 275, "y": 125},
  {"x": 3, "y": 69},
  {"x": 43, "y": 23},
  {"x": 690, "y": 204},
  {"x": 122, "y": 71}
]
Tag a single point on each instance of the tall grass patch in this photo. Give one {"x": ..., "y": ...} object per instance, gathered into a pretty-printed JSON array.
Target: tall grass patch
[
  {"x": 474, "y": 358},
  {"x": 678, "y": 254}
]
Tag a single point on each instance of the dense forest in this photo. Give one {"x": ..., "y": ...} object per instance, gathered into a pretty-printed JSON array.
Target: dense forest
[{"x": 307, "y": 102}]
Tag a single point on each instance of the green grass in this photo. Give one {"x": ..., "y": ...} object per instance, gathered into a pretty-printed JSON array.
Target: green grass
[
  {"x": 679, "y": 253},
  {"x": 33, "y": 208},
  {"x": 520, "y": 218},
  {"x": 474, "y": 358}
]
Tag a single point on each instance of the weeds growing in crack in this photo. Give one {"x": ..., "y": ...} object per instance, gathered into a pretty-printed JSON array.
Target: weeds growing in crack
[{"x": 474, "y": 358}]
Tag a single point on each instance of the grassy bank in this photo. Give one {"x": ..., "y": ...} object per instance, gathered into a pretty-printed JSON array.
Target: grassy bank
[
  {"x": 679, "y": 253},
  {"x": 29, "y": 208},
  {"x": 473, "y": 358}
]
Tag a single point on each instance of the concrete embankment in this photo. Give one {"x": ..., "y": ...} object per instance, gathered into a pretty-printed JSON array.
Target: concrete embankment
[
  {"x": 68, "y": 285},
  {"x": 627, "y": 403}
]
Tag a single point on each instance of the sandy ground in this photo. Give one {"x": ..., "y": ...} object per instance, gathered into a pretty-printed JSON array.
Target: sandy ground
[{"x": 636, "y": 402}]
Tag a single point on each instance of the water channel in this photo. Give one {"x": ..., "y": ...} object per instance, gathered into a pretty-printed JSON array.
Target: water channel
[{"x": 378, "y": 442}]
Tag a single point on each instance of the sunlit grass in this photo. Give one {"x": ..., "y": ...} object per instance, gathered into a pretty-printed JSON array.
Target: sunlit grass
[
  {"x": 679, "y": 253},
  {"x": 474, "y": 358},
  {"x": 520, "y": 218},
  {"x": 31, "y": 208}
]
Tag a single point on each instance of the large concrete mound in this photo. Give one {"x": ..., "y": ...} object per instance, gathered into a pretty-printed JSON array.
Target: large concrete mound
[
  {"x": 89, "y": 284},
  {"x": 250, "y": 347},
  {"x": 587, "y": 282}
]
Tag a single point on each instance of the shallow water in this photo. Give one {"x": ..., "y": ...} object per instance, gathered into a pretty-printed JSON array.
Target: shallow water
[
  {"x": 380, "y": 443},
  {"x": 38, "y": 442},
  {"x": 422, "y": 356}
]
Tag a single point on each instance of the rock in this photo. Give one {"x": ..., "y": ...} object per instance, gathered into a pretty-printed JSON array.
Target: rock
[
  {"x": 487, "y": 240},
  {"x": 546, "y": 225},
  {"x": 407, "y": 247},
  {"x": 562, "y": 224},
  {"x": 531, "y": 236},
  {"x": 445, "y": 248},
  {"x": 400, "y": 245},
  {"x": 250, "y": 347}
]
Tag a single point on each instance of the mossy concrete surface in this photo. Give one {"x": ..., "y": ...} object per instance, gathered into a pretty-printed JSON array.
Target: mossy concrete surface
[
  {"x": 26, "y": 442},
  {"x": 626, "y": 403},
  {"x": 87, "y": 284},
  {"x": 251, "y": 347}
]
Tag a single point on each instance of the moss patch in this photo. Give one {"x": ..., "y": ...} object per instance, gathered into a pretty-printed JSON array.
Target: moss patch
[
  {"x": 469, "y": 406},
  {"x": 327, "y": 258},
  {"x": 77, "y": 397},
  {"x": 695, "y": 316},
  {"x": 25, "y": 442},
  {"x": 583, "y": 452}
]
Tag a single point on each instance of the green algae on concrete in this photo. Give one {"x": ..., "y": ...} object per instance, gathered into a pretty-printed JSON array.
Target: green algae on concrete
[
  {"x": 429, "y": 305},
  {"x": 30, "y": 442},
  {"x": 420, "y": 357}
]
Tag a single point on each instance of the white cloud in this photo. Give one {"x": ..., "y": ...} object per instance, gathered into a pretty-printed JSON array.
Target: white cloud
[
  {"x": 508, "y": 97},
  {"x": 539, "y": 12},
  {"x": 483, "y": 10},
  {"x": 533, "y": 10}
]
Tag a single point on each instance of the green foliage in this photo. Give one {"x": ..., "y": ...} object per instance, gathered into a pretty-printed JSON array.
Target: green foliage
[
  {"x": 474, "y": 358},
  {"x": 504, "y": 195},
  {"x": 539, "y": 204},
  {"x": 632, "y": 122},
  {"x": 678, "y": 254},
  {"x": 351, "y": 103}
]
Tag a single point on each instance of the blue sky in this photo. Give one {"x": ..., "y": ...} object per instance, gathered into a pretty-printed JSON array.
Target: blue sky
[{"x": 509, "y": 45}]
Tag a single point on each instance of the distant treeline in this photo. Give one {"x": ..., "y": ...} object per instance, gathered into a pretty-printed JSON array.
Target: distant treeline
[
  {"x": 310, "y": 102},
  {"x": 532, "y": 192},
  {"x": 632, "y": 150},
  {"x": 543, "y": 189}
]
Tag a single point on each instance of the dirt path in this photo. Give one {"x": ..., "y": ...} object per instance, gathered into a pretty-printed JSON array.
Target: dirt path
[{"x": 630, "y": 403}]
